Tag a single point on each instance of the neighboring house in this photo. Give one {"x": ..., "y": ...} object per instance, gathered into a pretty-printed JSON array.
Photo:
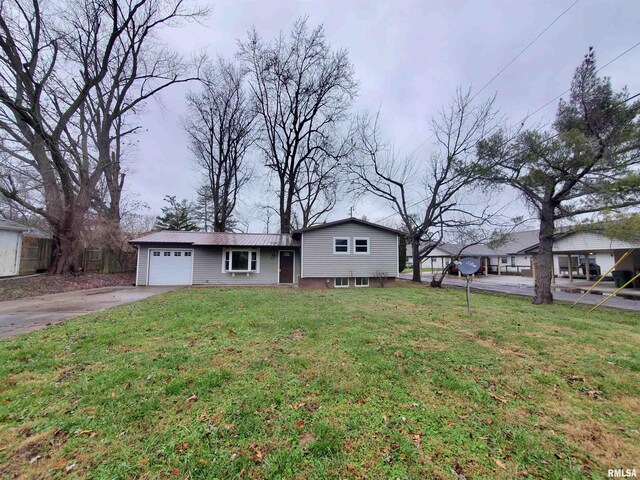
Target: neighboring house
[
  {"x": 572, "y": 251},
  {"x": 345, "y": 253},
  {"x": 10, "y": 247},
  {"x": 509, "y": 258}
]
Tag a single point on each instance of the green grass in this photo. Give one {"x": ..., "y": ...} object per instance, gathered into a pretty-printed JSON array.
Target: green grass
[{"x": 364, "y": 383}]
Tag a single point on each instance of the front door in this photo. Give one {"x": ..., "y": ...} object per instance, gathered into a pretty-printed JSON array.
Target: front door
[{"x": 286, "y": 266}]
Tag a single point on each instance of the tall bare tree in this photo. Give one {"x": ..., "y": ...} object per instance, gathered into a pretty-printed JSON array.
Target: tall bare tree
[
  {"x": 220, "y": 126},
  {"x": 304, "y": 91},
  {"x": 55, "y": 63},
  {"x": 428, "y": 196},
  {"x": 588, "y": 163}
]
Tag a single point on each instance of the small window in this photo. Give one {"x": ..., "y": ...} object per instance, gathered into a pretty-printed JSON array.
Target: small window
[
  {"x": 167, "y": 254},
  {"x": 503, "y": 259},
  {"x": 362, "y": 281},
  {"x": 341, "y": 282},
  {"x": 177, "y": 254},
  {"x": 361, "y": 246},
  {"x": 156, "y": 254},
  {"x": 187, "y": 254},
  {"x": 341, "y": 245}
]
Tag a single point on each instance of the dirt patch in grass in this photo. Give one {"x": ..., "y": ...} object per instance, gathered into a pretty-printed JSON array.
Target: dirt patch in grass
[{"x": 33, "y": 286}]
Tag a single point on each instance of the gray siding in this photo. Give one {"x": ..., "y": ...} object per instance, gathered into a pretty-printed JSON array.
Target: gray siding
[
  {"x": 320, "y": 261},
  {"x": 207, "y": 266}
]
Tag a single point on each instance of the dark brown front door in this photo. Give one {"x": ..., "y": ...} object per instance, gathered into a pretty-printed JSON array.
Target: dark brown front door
[{"x": 286, "y": 266}]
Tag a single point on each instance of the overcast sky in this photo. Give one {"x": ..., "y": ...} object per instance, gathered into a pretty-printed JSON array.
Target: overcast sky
[{"x": 409, "y": 57}]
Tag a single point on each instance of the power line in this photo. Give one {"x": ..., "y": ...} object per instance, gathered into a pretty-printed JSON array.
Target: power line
[
  {"x": 524, "y": 49},
  {"x": 544, "y": 141},
  {"x": 508, "y": 65}
]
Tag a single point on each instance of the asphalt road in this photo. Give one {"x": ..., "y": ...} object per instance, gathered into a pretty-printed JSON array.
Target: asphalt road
[
  {"x": 28, "y": 314},
  {"x": 511, "y": 286}
]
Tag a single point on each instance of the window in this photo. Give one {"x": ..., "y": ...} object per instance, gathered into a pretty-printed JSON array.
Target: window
[
  {"x": 362, "y": 281},
  {"x": 240, "y": 261},
  {"x": 177, "y": 254},
  {"x": 504, "y": 259},
  {"x": 156, "y": 254},
  {"x": 341, "y": 282},
  {"x": 167, "y": 254},
  {"x": 187, "y": 254},
  {"x": 361, "y": 246},
  {"x": 513, "y": 261},
  {"x": 341, "y": 245}
]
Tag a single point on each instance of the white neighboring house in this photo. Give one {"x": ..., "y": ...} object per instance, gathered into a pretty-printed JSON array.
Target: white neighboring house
[
  {"x": 572, "y": 251},
  {"x": 10, "y": 247},
  {"x": 511, "y": 258}
]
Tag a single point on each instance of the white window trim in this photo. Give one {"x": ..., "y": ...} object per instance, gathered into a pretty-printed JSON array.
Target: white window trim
[
  {"x": 230, "y": 250},
  {"x": 368, "y": 239},
  {"x": 348, "y": 245},
  {"x": 361, "y": 286},
  {"x": 335, "y": 284}
]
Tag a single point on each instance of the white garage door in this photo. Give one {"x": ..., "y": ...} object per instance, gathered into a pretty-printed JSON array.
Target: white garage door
[{"x": 170, "y": 267}]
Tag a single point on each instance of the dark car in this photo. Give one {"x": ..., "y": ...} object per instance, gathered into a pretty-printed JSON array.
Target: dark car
[
  {"x": 594, "y": 269},
  {"x": 452, "y": 268}
]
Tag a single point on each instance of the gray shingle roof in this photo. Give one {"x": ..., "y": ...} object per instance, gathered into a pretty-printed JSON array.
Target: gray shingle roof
[
  {"x": 221, "y": 239},
  {"x": 480, "y": 250}
]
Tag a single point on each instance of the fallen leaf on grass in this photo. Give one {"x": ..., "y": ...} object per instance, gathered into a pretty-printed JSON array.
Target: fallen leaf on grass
[
  {"x": 497, "y": 397},
  {"x": 192, "y": 398},
  {"x": 175, "y": 472},
  {"x": 305, "y": 439},
  {"x": 500, "y": 464},
  {"x": 69, "y": 468},
  {"x": 91, "y": 433}
]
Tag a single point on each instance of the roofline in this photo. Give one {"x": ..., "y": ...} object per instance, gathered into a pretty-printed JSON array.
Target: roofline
[
  {"x": 14, "y": 228},
  {"x": 347, "y": 220}
]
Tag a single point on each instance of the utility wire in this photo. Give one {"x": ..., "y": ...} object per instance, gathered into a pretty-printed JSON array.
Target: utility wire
[
  {"x": 508, "y": 65},
  {"x": 544, "y": 141}
]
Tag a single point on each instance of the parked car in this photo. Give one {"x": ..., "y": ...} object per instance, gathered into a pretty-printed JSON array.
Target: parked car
[
  {"x": 594, "y": 269},
  {"x": 453, "y": 268}
]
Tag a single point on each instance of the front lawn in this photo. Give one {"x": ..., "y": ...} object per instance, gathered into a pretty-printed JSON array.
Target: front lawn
[{"x": 363, "y": 383}]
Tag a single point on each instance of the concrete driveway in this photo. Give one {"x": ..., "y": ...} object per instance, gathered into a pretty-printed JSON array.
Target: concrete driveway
[{"x": 27, "y": 314}]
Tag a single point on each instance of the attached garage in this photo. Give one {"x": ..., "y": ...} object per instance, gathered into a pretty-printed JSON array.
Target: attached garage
[{"x": 170, "y": 267}]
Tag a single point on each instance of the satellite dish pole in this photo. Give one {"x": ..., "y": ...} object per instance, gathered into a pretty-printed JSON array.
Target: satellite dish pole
[{"x": 468, "y": 266}]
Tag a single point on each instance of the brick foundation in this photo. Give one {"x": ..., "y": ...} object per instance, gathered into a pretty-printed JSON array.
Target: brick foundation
[{"x": 320, "y": 283}]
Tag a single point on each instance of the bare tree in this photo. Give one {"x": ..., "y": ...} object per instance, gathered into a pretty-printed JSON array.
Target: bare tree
[
  {"x": 589, "y": 164},
  {"x": 54, "y": 63},
  {"x": 448, "y": 174},
  {"x": 304, "y": 91},
  {"x": 220, "y": 129}
]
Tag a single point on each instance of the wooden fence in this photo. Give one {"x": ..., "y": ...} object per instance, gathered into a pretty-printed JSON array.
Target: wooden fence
[{"x": 36, "y": 257}]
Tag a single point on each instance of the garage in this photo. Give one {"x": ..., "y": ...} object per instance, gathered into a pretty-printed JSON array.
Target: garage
[{"x": 170, "y": 267}]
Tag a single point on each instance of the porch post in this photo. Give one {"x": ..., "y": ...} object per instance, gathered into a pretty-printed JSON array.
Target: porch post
[
  {"x": 586, "y": 266},
  {"x": 570, "y": 269},
  {"x": 486, "y": 266}
]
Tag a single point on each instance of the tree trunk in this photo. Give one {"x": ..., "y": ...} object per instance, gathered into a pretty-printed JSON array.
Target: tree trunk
[
  {"x": 65, "y": 249},
  {"x": 544, "y": 260},
  {"x": 417, "y": 264}
]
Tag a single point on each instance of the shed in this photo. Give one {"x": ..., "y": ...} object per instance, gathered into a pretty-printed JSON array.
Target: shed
[{"x": 10, "y": 247}]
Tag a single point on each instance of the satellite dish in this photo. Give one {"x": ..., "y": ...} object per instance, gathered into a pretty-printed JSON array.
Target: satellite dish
[{"x": 469, "y": 265}]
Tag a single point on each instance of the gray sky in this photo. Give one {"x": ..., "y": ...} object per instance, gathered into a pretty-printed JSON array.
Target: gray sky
[{"x": 409, "y": 57}]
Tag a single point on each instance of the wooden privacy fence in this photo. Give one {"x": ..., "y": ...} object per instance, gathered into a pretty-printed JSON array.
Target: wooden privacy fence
[
  {"x": 107, "y": 260},
  {"x": 36, "y": 257}
]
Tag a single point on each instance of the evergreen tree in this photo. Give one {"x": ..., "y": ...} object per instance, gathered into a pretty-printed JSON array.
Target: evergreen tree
[{"x": 177, "y": 215}]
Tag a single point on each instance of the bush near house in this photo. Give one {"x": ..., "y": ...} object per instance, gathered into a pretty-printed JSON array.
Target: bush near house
[{"x": 359, "y": 383}]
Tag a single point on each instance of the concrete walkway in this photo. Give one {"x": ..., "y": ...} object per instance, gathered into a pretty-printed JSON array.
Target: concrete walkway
[
  {"x": 28, "y": 314},
  {"x": 523, "y": 286}
]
